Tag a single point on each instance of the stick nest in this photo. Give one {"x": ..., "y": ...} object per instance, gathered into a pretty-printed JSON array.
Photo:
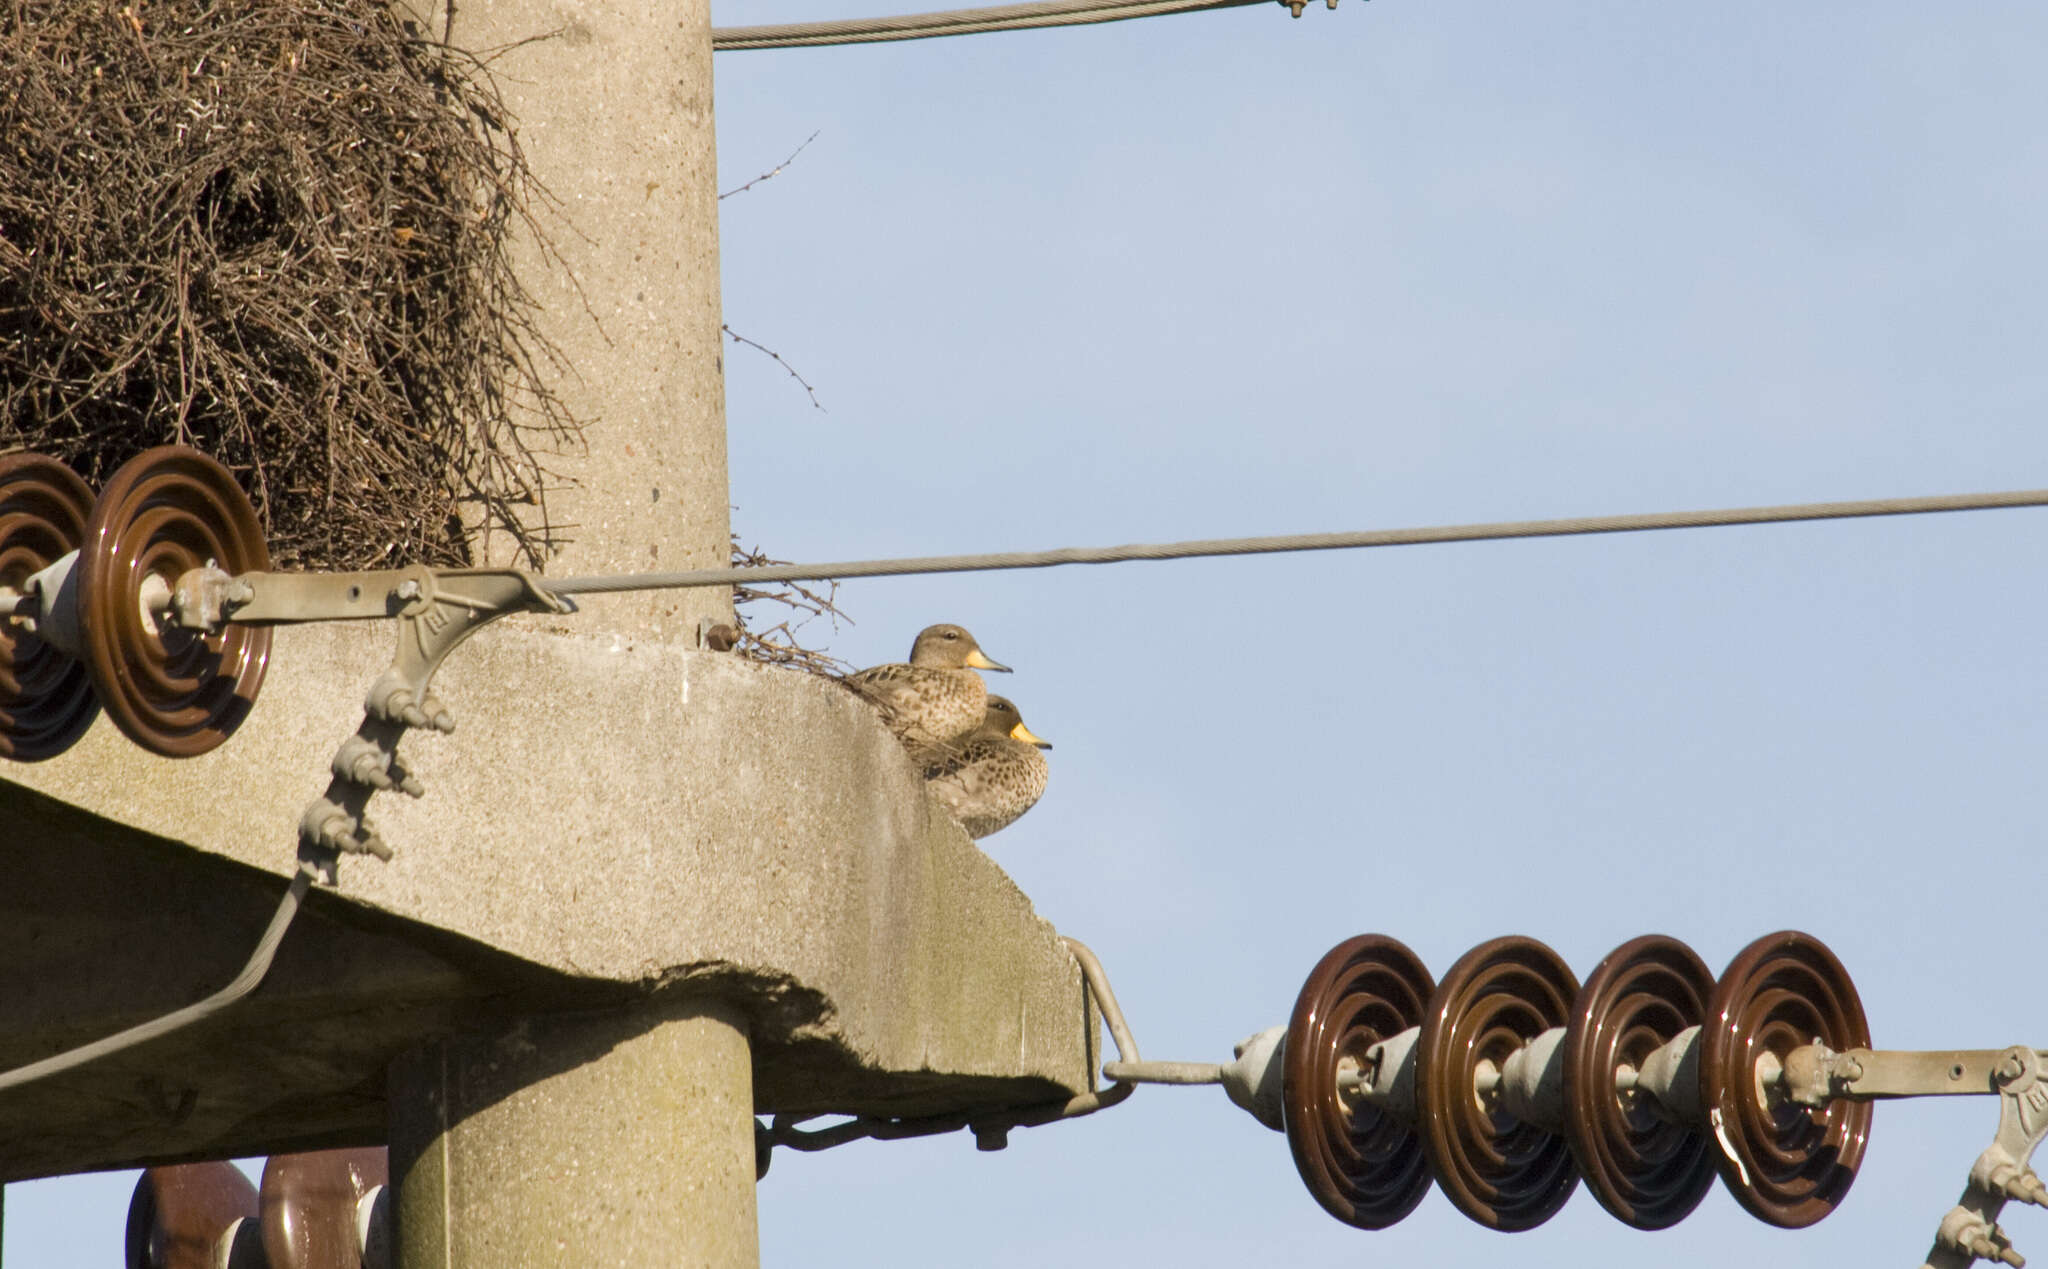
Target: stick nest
[{"x": 275, "y": 230}]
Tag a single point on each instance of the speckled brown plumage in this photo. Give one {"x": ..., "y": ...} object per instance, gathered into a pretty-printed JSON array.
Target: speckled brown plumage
[
  {"x": 994, "y": 775},
  {"x": 934, "y": 699}
]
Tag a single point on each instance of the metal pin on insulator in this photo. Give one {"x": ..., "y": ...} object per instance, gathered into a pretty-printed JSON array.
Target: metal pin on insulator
[
  {"x": 1254, "y": 1080},
  {"x": 409, "y": 784}
]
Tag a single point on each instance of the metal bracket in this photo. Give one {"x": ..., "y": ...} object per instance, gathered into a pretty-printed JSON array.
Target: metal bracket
[
  {"x": 436, "y": 610},
  {"x": 1970, "y": 1231},
  {"x": 1813, "y": 1075}
]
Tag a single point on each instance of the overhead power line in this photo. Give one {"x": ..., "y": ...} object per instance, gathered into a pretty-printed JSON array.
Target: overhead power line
[
  {"x": 925, "y": 26},
  {"x": 1296, "y": 542}
]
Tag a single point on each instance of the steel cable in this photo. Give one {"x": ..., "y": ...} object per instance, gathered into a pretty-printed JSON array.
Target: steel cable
[
  {"x": 243, "y": 983},
  {"x": 258, "y": 965},
  {"x": 1213, "y": 547},
  {"x": 924, "y": 26}
]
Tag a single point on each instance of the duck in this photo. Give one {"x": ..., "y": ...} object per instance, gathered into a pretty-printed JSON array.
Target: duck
[
  {"x": 936, "y": 697},
  {"x": 994, "y": 775}
]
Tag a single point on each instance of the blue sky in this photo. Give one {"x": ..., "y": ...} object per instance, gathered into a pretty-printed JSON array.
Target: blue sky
[{"x": 1405, "y": 264}]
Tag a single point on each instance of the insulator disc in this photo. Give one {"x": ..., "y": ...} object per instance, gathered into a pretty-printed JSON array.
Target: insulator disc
[
  {"x": 1791, "y": 1165},
  {"x": 46, "y": 700},
  {"x": 1498, "y": 1170},
  {"x": 178, "y": 1214},
  {"x": 1647, "y": 1165},
  {"x": 175, "y": 692},
  {"x": 1364, "y": 1166},
  {"x": 309, "y": 1204}
]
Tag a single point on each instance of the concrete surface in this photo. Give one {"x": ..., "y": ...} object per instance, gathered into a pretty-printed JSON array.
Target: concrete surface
[
  {"x": 649, "y": 1143},
  {"x": 610, "y": 819},
  {"x": 614, "y": 108}
]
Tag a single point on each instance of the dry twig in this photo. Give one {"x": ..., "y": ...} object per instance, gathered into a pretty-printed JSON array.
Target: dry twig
[
  {"x": 738, "y": 338},
  {"x": 772, "y": 172},
  {"x": 777, "y": 644}
]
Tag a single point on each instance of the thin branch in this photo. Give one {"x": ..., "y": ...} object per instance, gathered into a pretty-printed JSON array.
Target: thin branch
[
  {"x": 779, "y": 644},
  {"x": 742, "y": 339},
  {"x": 773, "y": 171}
]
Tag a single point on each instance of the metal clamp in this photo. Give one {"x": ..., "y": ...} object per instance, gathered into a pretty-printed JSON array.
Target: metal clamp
[
  {"x": 1970, "y": 1231},
  {"x": 436, "y": 610}
]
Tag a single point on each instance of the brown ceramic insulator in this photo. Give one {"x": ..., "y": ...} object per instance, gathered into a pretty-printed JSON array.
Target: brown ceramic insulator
[
  {"x": 46, "y": 700},
  {"x": 1645, "y": 1169},
  {"x": 1791, "y": 1166},
  {"x": 178, "y": 1214},
  {"x": 175, "y": 692},
  {"x": 1364, "y": 1166},
  {"x": 309, "y": 1206},
  {"x": 1498, "y": 1170}
]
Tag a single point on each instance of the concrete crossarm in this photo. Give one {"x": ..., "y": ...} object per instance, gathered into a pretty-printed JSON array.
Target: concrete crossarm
[{"x": 608, "y": 820}]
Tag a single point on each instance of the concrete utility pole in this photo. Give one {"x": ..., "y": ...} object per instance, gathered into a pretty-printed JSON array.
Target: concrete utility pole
[
  {"x": 650, "y": 890},
  {"x": 614, "y": 111},
  {"x": 613, "y": 107}
]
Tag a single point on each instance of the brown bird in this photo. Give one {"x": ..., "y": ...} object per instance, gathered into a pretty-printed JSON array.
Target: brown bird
[
  {"x": 994, "y": 775},
  {"x": 937, "y": 697}
]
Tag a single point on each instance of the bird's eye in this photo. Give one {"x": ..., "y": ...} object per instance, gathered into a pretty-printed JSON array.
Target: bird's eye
[{"x": 952, "y": 635}]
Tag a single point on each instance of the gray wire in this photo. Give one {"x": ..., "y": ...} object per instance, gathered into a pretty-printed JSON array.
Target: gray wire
[
  {"x": 288, "y": 907},
  {"x": 602, "y": 584},
  {"x": 244, "y": 983},
  {"x": 924, "y": 26}
]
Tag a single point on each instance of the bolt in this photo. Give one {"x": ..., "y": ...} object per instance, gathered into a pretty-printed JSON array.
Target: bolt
[
  {"x": 391, "y": 704},
  {"x": 991, "y": 1136},
  {"x": 1993, "y": 1245},
  {"x": 721, "y": 638},
  {"x": 409, "y": 588},
  {"x": 409, "y": 784},
  {"x": 367, "y": 769},
  {"x": 2027, "y": 1188},
  {"x": 2010, "y": 1069},
  {"x": 411, "y": 716}
]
